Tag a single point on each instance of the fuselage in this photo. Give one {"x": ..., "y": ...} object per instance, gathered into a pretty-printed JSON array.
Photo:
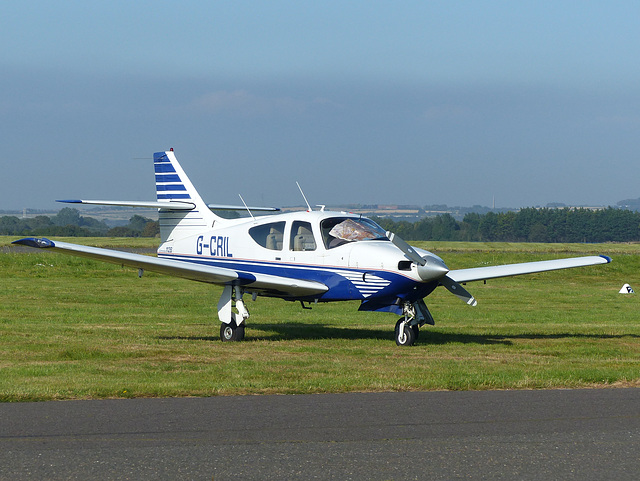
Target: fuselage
[{"x": 348, "y": 253}]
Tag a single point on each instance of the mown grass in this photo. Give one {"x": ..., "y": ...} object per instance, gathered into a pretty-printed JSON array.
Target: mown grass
[{"x": 71, "y": 328}]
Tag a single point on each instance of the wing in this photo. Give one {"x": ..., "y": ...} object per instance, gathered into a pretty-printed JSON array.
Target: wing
[
  {"x": 254, "y": 282},
  {"x": 492, "y": 272}
]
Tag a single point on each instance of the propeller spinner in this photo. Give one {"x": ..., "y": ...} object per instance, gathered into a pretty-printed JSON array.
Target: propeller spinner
[{"x": 431, "y": 268}]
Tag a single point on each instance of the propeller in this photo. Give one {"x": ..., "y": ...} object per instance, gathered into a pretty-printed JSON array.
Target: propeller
[
  {"x": 406, "y": 248},
  {"x": 457, "y": 290},
  {"x": 431, "y": 268}
]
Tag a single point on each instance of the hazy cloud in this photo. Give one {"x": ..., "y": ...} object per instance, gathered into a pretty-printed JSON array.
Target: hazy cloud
[
  {"x": 622, "y": 121},
  {"x": 446, "y": 112},
  {"x": 246, "y": 104}
]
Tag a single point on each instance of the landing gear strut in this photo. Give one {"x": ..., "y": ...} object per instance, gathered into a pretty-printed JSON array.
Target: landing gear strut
[{"x": 232, "y": 328}]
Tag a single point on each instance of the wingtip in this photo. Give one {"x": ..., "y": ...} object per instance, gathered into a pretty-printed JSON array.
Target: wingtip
[
  {"x": 34, "y": 242},
  {"x": 607, "y": 258}
]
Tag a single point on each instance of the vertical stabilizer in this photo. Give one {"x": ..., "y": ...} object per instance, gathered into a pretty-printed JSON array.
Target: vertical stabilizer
[{"x": 172, "y": 184}]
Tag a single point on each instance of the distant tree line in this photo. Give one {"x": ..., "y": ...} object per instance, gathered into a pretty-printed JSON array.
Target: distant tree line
[
  {"x": 69, "y": 223},
  {"x": 526, "y": 225},
  {"x": 630, "y": 204}
]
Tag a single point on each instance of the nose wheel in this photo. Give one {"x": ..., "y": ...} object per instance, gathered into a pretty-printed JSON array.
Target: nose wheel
[{"x": 406, "y": 334}]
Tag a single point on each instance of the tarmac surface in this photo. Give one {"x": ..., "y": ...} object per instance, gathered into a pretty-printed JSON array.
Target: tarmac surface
[{"x": 560, "y": 434}]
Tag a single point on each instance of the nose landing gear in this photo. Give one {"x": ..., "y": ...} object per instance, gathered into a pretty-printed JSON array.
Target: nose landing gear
[
  {"x": 406, "y": 334},
  {"x": 407, "y": 328}
]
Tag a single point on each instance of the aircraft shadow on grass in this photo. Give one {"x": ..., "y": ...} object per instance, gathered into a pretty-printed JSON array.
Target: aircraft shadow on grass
[{"x": 302, "y": 331}]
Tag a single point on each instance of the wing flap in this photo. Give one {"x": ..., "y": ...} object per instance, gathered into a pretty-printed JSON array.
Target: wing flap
[
  {"x": 262, "y": 283},
  {"x": 508, "y": 270}
]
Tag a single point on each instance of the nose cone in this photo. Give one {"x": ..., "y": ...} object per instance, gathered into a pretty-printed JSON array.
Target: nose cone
[{"x": 433, "y": 270}]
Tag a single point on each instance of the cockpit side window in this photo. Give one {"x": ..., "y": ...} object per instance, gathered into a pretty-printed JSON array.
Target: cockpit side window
[
  {"x": 302, "y": 237},
  {"x": 341, "y": 230},
  {"x": 268, "y": 235}
]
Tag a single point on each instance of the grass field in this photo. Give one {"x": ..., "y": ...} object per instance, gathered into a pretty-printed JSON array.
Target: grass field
[{"x": 71, "y": 328}]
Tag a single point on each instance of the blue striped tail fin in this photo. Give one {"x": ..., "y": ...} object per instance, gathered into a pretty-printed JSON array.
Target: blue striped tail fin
[{"x": 172, "y": 184}]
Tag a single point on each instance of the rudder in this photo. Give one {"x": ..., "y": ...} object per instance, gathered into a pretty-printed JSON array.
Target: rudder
[{"x": 173, "y": 184}]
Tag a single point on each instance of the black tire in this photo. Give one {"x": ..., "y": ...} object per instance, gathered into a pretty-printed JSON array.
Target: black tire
[
  {"x": 231, "y": 333},
  {"x": 416, "y": 332},
  {"x": 407, "y": 336}
]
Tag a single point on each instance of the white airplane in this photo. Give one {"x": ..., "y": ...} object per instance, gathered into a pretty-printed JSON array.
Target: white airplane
[{"x": 313, "y": 256}]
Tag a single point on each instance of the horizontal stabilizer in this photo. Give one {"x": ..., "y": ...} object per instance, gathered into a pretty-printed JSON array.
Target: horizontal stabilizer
[
  {"x": 170, "y": 205},
  {"x": 508, "y": 270},
  {"x": 242, "y": 207}
]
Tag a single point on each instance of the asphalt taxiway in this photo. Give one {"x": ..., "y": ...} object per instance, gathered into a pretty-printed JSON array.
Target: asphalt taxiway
[{"x": 560, "y": 434}]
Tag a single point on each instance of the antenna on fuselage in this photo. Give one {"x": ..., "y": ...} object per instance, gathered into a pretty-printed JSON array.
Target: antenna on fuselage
[
  {"x": 246, "y": 207},
  {"x": 304, "y": 197}
]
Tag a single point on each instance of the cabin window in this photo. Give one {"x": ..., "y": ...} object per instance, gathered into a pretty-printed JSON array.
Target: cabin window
[
  {"x": 342, "y": 230},
  {"x": 268, "y": 236},
  {"x": 302, "y": 237}
]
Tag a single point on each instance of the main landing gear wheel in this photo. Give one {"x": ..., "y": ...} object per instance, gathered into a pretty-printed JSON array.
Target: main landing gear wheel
[
  {"x": 405, "y": 334},
  {"x": 231, "y": 332}
]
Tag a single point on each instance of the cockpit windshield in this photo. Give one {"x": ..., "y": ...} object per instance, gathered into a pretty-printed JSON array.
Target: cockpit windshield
[{"x": 340, "y": 230}]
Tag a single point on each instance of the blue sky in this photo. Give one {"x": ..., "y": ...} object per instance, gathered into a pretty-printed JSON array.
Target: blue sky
[{"x": 428, "y": 102}]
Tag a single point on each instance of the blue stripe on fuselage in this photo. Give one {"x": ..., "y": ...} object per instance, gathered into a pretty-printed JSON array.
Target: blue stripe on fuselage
[{"x": 340, "y": 288}]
